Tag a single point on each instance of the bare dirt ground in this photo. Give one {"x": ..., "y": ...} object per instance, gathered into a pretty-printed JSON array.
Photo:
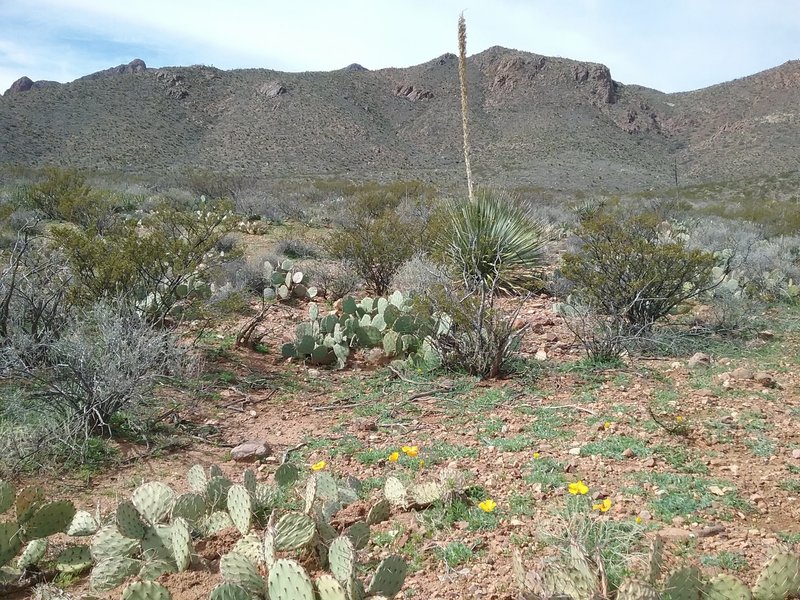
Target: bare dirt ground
[{"x": 719, "y": 479}]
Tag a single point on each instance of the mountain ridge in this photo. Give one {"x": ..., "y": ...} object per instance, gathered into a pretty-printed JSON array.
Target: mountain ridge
[{"x": 538, "y": 120}]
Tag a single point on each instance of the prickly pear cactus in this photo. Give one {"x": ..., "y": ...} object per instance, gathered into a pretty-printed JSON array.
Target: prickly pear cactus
[
  {"x": 637, "y": 590},
  {"x": 243, "y": 572},
  {"x": 685, "y": 584},
  {"x": 215, "y": 522},
  {"x": 240, "y": 508},
  {"x": 342, "y": 559},
  {"x": 110, "y": 543},
  {"x": 129, "y": 521},
  {"x": 50, "y": 518},
  {"x": 779, "y": 579},
  {"x": 379, "y": 512},
  {"x": 191, "y": 506},
  {"x": 111, "y": 572},
  {"x": 181, "y": 542},
  {"x": 8, "y": 494},
  {"x": 229, "y": 591},
  {"x": 425, "y": 494},
  {"x": 197, "y": 479},
  {"x": 289, "y": 581},
  {"x": 83, "y": 524},
  {"x": 655, "y": 559},
  {"x": 330, "y": 589},
  {"x": 154, "y": 501},
  {"x": 250, "y": 546},
  {"x": 33, "y": 553},
  {"x": 146, "y": 590},
  {"x": 727, "y": 587},
  {"x": 395, "y": 492},
  {"x": 294, "y": 530},
  {"x": 389, "y": 577},
  {"x": 28, "y": 501},
  {"x": 9, "y": 542},
  {"x": 358, "y": 533},
  {"x": 74, "y": 559},
  {"x": 287, "y": 474}
]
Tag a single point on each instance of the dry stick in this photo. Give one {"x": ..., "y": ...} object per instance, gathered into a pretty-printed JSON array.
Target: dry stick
[
  {"x": 462, "y": 75},
  {"x": 337, "y": 406},
  {"x": 572, "y": 406},
  {"x": 286, "y": 452},
  {"x": 400, "y": 376}
]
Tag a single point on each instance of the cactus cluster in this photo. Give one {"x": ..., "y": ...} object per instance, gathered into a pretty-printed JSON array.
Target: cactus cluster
[
  {"x": 579, "y": 577},
  {"x": 28, "y": 520},
  {"x": 285, "y": 282},
  {"x": 385, "y": 323}
]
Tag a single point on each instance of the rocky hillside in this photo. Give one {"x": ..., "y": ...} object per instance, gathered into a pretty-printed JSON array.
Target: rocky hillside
[{"x": 536, "y": 120}]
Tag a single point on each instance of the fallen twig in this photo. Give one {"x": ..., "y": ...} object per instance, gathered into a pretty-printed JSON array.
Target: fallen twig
[
  {"x": 561, "y": 406},
  {"x": 286, "y": 452}
]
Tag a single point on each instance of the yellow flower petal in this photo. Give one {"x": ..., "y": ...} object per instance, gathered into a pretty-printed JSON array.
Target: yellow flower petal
[
  {"x": 578, "y": 488},
  {"x": 319, "y": 466},
  {"x": 679, "y": 419},
  {"x": 607, "y": 424},
  {"x": 536, "y": 455},
  {"x": 638, "y": 519},
  {"x": 394, "y": 456},
  {"x": 602, "y": 506},
  {"x": 488, "y": 505},
  {"x": 411, "y": 451},
  {"x": 421, "y": 464}
]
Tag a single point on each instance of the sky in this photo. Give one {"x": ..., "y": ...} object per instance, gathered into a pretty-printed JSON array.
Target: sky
[{"x": 669, "y": 45}]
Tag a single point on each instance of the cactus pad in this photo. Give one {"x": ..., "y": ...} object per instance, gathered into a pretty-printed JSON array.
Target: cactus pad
[
  {"x": 342, "y": 559},
  {"x": 217, "y": 493},
  {"x": 379, "y": 512},
  {"x": 197, "y": 479},
  {"x": 181, "y": 541},
  {"x": 229, "y": 591},
  {"x": 249, "y": 481},
  {"x": 250, "y": 546},
  {"x": 637, "y": 590},
  {"x": 358, "y": 533},
  {"x": 153, "y": 500},
  {"x": 427, "y": 493},
  {"x": 154, "y": 568},
  {"x": 684, "y": 584},
  {"x": 289, "y": 581},
  {"x": 191, "y": 506},
  {"x": 727, "y": 587},
  {"x": 215, "y": 471},
  {"x": 294, "y": 530},
  {"x": 310, "y": 495},
  {"x": 395, "y": 492},
  {"x": 286, "y": 474},
  {"x": 83, "y": 523},
  {"x": 269, "y": 547},
  {"x": 330, "y": 589},
  {"x": 33, "y": 553},
  {"x": 157, "y": 543},
  {"x": 146, "y": 590},
  {"x": 215, "y": 522},
  {"x": 111, "y": 572},
  {"x": 49, "y": 519},
  {"x": 242, "y": 571},
  {"x": 74, "y": 559},
  {"x": 27, "y": 502},
  {"x": 129, "y": 522},
  {"x": 779, "y": 579},
  {"x": 110, "y": 543},
  {"x": 9, "y": 542},
  {"x": 389, "y": 577},
  {"x": 240, "y": 508},
  {"x": 7, "y": 495}
]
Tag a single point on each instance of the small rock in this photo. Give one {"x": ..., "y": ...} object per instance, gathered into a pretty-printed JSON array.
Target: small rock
[
  {"x": 765, "y": 335},
  {"x": 645, "y": 515},
  {"x": 675, "y": 534},
  {"x": 699, "y": 359},
  {"x": 627, "y": 453},
  {"x": 551, "y": 337},
  {"x": 678, "y": 521},
  {"x": 540, "y": 355},
  {"x": 575, "y": 451},
  {"x": 650, "y": 462},
  {"x": 765, "y": 379},
  {"x": 796, "y": 453},
  {"x": 313, "y": 373},
  {"x": 742, "y": 373},
  {"x": 250, "y": 451},
  {"x": 711, "y": 531}
]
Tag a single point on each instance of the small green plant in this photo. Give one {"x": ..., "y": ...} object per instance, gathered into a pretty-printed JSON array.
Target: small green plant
[{"x": 455, "y": 554}]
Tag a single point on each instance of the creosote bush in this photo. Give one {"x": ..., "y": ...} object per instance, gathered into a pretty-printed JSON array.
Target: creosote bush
[
  {"x": 65, "y": 195},
  {"x": 626, "y": 268},
  {"x": 376, "y": 238}
]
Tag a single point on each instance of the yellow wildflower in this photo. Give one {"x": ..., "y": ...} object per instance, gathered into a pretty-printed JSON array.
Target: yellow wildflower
[
  {"x": 602, "y": 506},
  {"x": 607, "y": 424},
  {"x": 679, "y": 418},
  {"x": 411, "y": 451},
  {"x": 394, "y": 456},
  {"x": 488, "y": 505},
  {"x": 578, "y": 488},
  {"x": 421, "y": 464},
  {"x": 536, "y": 455},
  {"x": 319, "y": 466},
  {"x": 638, "y": 519}
]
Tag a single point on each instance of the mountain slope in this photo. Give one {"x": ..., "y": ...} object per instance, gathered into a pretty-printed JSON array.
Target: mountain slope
[{"x": 535, "y": 120}]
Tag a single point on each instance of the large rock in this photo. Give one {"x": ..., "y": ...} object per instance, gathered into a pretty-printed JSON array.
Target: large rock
[
  {"x": 272, "y": 89},
  {"x": 23, "y": 84},
  {"x": 251, "y": 451},
  {"x": 699, "y": 359},
  {"x": 137, "y": 65},
  {"x": 409, "y": 92}
]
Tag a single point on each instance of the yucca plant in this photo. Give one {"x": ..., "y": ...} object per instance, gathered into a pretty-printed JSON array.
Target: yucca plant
[{"x": 494, "y": 245}]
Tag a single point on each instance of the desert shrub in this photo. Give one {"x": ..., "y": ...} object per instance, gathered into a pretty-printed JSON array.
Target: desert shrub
[
  {"x": 65, "y": 195},
  {"x": 419, "y": 275},
  {"x": 376, "y": 240},
  {"x": 336, "y": 279},
  {"x": 296, "y": 248},
  {"x": 626, "y": 268},
  {"x": 492, "y": 243},
  {"x": 471, "y": 334},
  {"x": 159, "y": 260},
  {"x": 103, "y": 365}
]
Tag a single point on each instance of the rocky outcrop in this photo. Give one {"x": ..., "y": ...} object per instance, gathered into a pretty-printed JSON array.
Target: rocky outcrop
[
  {"x": 23, "y": 84},
  {"x": 513, "y": 70},
  {"x": 355, "y": 67},
  {"x": 409, "y": 92},
  {"x": 640, "y": 118},
  {"x": 272, "y": 89},
  {"x": 173, "y": 84},
  {"x": 602, "y": 87},
  {"x": 135, "y": 66}
]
